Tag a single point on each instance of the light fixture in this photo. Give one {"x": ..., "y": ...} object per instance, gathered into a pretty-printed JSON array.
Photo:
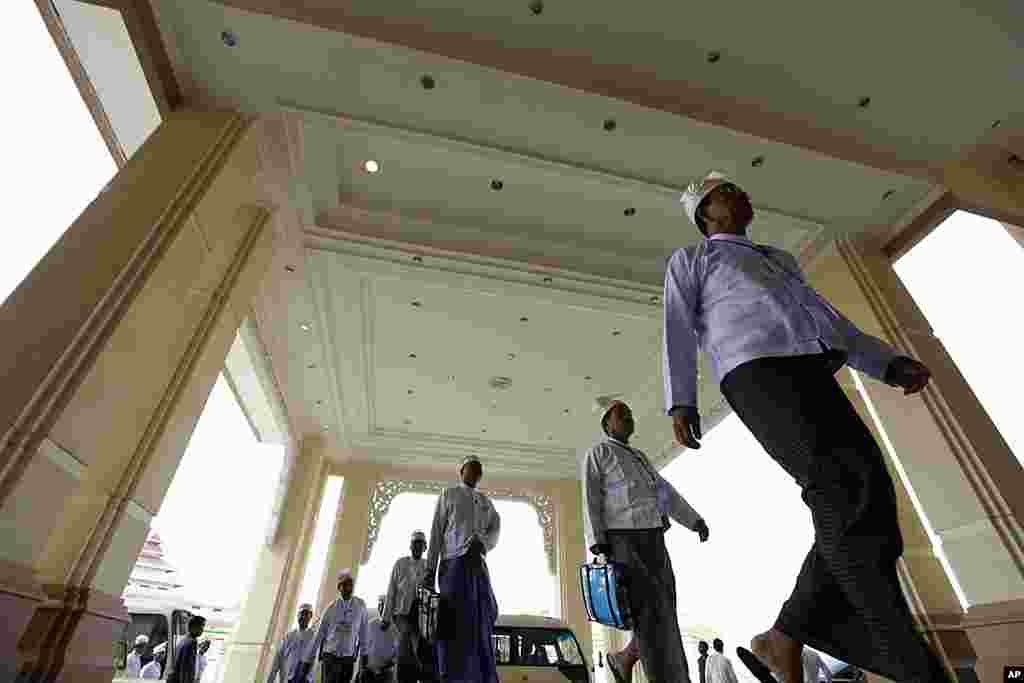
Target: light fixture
[
  {"x": 655, "y": 299},
  {"x": 412, "y": 355},
  {"x": 415, "y": 304},
  {"x": 1016, "y": 161},
  {"x": 305, "y": 327},
  {"x": 757, "y": 162},
  {"x": 496, "y": 185},
  {"x": 319, "y": 402},
  {"x": 888, "y": 194},
  {"x": 290, "y": 269},
  {"x": 323, "y": 427},
  {"x": 547, "y": 389},
  {"x": 511, "y": 356},
  {"x": 548, "y": 280},
  {"x": 428, "y": 82},
  {"x": 616, "y": 333},
  {"x": 566, "y": 411},
  {"x": 588, "y": 378},
  {"x": 407, "y": 421},
  {"x": 629, "y": 211},
  {"x": 714, "y": 57},
  {"x": 997, "y": 123},
  {"x": 524, "y": 319},
  {"x": 864, "y": 102},
  {"x": 610, "y": 125},
  {"x": 229, "y": 38},
  {"x": 311, "y": 366},
  {"x": 411, "y": 392},
  {"x": 537, "y": 7},
  {"x": 417, "y": 259},
  {"x": 484, "y": 430},
  {"x": 371, "y": 166}
]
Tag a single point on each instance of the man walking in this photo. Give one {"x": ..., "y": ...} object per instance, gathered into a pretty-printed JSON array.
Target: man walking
[
  {"x": 626, "y": 506},
  {"x": 719, "y": 668},
  {"x": 702, "y": 660},
  {"x": 133, "y": 666},
  {"x": 400, "y": 607},
  {"x": 775, "y": 344},
  {"x": 381, "y": 647},
  {"x": 182, "y": 667},
  {"x": 288, "y": 660},
  {"x": 342, "y": 633},
  {"x": 466, "y": 528}
]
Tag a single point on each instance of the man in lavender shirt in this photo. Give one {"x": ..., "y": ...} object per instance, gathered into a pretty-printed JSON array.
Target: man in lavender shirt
[{"x": 775, "y": 345}]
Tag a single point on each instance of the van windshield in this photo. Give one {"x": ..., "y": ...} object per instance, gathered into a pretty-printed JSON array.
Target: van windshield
[{"x": 522, "y": 646}]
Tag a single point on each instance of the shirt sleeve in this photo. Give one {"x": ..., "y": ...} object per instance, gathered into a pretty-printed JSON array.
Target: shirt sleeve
[
  {"x": 674, "y": 505},
  {"x": 277, "y": 663},
  {"x": 362, "y": 647},
  {"x": 680, "y": 339},
  {"x": 490, "y": 539},
  {"x": 392, "y": 596},
  {"x": 593, "y": 500},
  {"x": 437, "y": 530}
]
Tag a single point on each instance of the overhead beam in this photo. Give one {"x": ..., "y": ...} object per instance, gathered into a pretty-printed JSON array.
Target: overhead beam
[{"x": 576, "y": 69}]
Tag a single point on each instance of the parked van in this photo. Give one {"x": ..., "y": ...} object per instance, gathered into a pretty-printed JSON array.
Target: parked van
[
  {"x": 538, "y": 650},
  {"x": 164, "y": 625}
]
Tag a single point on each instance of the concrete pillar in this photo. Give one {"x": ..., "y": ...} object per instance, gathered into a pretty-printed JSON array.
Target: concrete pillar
[
  {"x": 351, "y": 528},
  {"x": 952, "y": 461},
  {"x": 270, "y": 605},
  {"x": 111, "y": 346},
  {"x": 572, "y": 552}
]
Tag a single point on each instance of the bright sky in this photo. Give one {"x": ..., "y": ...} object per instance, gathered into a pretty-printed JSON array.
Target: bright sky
[
  {"x": 214, "y": 518},
  {"x": 56, "y": 161}
]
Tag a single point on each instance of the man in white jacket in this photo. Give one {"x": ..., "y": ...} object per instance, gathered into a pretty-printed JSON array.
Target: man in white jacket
[
  {"x": 342, "y": 633},
  {"x": 626, "y": 506},
  {"x": 719, "y": 668},
  {"x": 288, "y": 660},
  {"x": 399, "y": 608}
]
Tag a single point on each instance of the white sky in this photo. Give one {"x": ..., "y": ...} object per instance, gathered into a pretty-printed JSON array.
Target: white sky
[
  {"x": 55, "y": 160},
  {"x": 215, "y": 514}
]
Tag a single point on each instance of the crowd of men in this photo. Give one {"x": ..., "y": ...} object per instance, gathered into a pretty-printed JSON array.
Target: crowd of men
[
  {"x": 775, "y": 345},
  {"x": 184, "y": 665}
]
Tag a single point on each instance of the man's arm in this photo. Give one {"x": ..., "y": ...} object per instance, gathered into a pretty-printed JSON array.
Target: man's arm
[
  {"x": 309, "y": 654},
  {"x": 278, "y": 663},
  {"x": 392, "y": 595},
  {"x": 674, "y": 505},
  {"x": 437, "y": 530},
  {"x": 593, "y": 501},
  {"x": 680, "y": 340},
  {"x": 490, "y": 539}
]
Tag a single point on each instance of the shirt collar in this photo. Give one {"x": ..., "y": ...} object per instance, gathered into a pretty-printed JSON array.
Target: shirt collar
[
  {"x": 619, "y": 443},
  {"x": 723, "y": 237}
]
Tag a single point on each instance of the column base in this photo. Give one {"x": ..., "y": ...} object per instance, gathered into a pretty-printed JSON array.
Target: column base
[
  {"x": 997, "y": 633},
  {"x": 20, "y": 595},
  {"x": 70, "y": 637}
]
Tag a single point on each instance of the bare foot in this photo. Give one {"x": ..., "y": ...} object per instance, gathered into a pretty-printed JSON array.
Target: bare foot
[{"x": 780, "y": 653}]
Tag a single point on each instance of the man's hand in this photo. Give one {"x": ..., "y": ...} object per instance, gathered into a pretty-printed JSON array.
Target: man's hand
[
  {"x": 907, "y": 373},
  {"x": 602, "y": 549},
  {"x": 428, "y": 581},
  {"x": 476, "y": 547},
  {"x": 701, "y": 528},
  {"x": 686, "y": 425},
  {"x": 384, "y": 623}
]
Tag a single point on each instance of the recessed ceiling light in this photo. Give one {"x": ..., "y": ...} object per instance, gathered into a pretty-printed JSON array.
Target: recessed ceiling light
[
  {"x": 412, "y": 355},
  {"x": 1016, "y": 160},
  {"x": 997, "y": 123},
  {"x": 417, "y": 259},
  {"x": 588, "y": 378},
  {"x": 415, "y": 304},
  {"x": 451, "y": 378},
  {"x": 888, "y": 194},
  {"x": 548, "y": 280},
  {"x": 655, "y": 299},
  {"x": 319, "y": 402},
  {"x": 411, "y": 392},
  {"x": 484, "y": 430},
  {"x": 524, "y": 319},
  {"x": 229, "y": 38},
  {"x": 305, "y": 327},
  {"x": 610, "y": 125},
  {"x": 547, "y": 389},
  {"x": 496, "y": 185},
  {"x": 864, "y": 102},
  {"x": 511, "y": 356},
  {"x": 290, "y": 269},
  {"x": 323, "y": 427},
  {"x": 428, "y": 82},
  {"x": 629, "y": 211},
  {"x": 616, "y": 333},
  {"x": 371, "y": 166},
  {"x": 757, "y": 162},
  {"x": 714, "y": 57},
  {"x": 407, "y": 421},
  {"x": 310, "y": 366},
  {"x": 550, "y": 438},
  {"x": 566, "y": 411},
  {"x": 537, "y": 7}
]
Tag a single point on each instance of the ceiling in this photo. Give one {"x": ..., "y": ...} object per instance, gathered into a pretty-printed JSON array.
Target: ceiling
[{"x": 592, "y": 117}]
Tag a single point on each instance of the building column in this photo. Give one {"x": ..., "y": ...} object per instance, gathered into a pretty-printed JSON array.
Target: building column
[
  {"x": 572, "y": 552},
  {"x": 964, "y": 481},
  {"x": 270, "y": 605},
  {"x": 111, "y": 346},
  {"x": 351, "y": 529}
]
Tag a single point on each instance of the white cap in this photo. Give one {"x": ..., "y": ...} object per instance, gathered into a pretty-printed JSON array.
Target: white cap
[
  {"x": 160, "y": 649},
  {"x": 345, "y": 574},
  {"x": 419, "y": 536},
  {"x": 305, "y": 607},
  {"x": 697, "y": 191},
  {"x": 468, "y": 459},
  {"x": 142, "y": 639},
  {"x": 382, "y": 598}
]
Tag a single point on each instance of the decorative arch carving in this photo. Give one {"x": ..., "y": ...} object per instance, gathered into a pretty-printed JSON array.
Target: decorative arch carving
[{"x": 386, "y": 490}]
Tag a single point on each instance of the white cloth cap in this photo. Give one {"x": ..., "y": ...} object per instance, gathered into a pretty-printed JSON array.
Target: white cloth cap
[
  {"x": 382, "y": 598},
  {"x": 468, "y": 459},
  {"x": 160, "y": 649},
  {"x": 419, "y": 536},
  {"x": 345, "y": 574},
  {"x": 142, "y": 639},
  {"x": 305, "y": 607},
  {"x": 697, "y": 191}
]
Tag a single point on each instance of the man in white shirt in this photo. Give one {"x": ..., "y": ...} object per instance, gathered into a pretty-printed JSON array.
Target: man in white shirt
[
  {"x": 466, "y": 528},
  {"x": 775, "y": 345},
  {"x": 204, "y": 647},
  {"x": 134, "y": 664},
  {"x": 381, "y": 647},
  {"x": 400, "y": 607},
  {"x": 155, "y": 667},
  {"x": 626, "y": 507},
  {"x": 288, "y": 660},
  {"x": 342, "y": 633},
  {"x": 811, "y": 663},
  {"x": 719, "y": 668}
]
